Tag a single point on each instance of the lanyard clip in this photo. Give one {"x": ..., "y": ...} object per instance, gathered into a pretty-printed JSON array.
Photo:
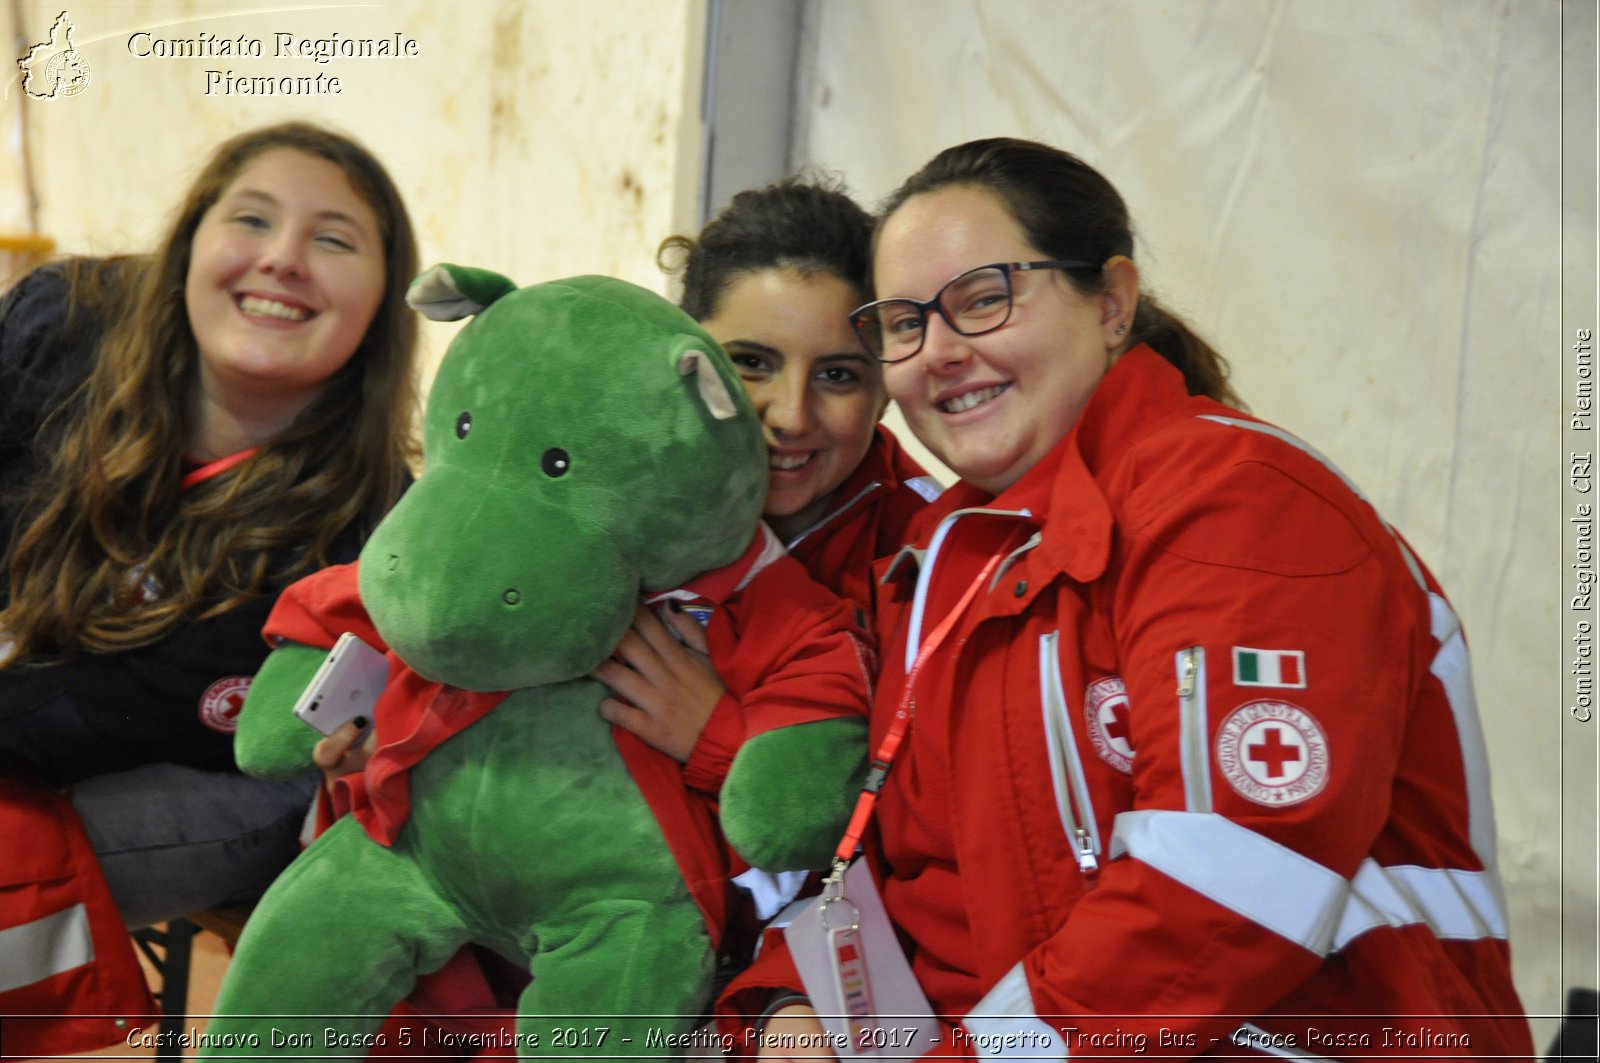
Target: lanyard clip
[
  {"x": 833, "y": 884},
  {"x": 833, "y": 897},
  {"x": 876, "y": 774}
]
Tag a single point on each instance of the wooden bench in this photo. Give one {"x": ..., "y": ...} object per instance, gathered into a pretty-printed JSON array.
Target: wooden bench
[{"x": 169, "y": 948}]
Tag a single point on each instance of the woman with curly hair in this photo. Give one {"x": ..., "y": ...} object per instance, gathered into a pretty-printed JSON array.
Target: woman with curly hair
[{"x": 182, "y": 434}]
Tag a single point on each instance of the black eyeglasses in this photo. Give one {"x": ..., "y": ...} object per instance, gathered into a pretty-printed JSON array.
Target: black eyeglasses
[{"x": 972, "y": 303}]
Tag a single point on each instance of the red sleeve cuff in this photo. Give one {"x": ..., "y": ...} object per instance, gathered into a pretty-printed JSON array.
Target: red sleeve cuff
[{"x": 713, "y": 751}]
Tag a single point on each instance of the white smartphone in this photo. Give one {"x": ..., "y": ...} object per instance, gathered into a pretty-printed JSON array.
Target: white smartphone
[{"x": 346, "y": 686}]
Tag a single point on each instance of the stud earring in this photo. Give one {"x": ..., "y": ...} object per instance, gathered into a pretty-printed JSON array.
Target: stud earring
[{"x": 1122, "y": 330}]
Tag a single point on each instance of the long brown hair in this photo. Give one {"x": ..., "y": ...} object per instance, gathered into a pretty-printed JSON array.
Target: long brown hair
[
  {"x": 1069, "y": 210},
  {"x": 107, "y": 517}
]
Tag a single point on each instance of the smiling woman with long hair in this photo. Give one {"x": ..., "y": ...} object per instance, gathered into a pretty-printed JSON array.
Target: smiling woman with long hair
[{"x": 181, "y": 435}]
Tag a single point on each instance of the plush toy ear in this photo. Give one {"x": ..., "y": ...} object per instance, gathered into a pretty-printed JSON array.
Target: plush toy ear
[
  {"x": 713, "y": 392},
  {"x": 449, "y": 293}
]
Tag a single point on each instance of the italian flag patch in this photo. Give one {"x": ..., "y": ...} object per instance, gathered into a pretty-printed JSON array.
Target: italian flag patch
[{"x": 1268, "y": 668}]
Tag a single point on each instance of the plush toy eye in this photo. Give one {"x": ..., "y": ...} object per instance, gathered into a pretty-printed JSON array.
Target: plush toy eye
[
  {"x": 555, "y": 462},
  {"x": 463, "y": 425}
]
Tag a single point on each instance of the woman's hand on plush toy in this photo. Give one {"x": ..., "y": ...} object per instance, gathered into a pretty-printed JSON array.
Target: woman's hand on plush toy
[
  {"x": 662, "y": 683},
  {"x": 346, "y": 750}
]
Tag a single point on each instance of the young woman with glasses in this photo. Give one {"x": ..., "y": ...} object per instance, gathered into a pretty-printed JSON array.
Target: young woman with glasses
[{"x": 1188, "y": 760}]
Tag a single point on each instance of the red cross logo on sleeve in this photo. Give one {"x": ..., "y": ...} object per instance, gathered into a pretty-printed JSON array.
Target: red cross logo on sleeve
[
  {"x": 1105, "y": 709},
  {"x": 1272, "y": 752}
]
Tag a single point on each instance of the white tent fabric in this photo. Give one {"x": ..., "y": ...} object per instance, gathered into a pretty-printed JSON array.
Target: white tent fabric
[{"x": 1360, "y": 204}]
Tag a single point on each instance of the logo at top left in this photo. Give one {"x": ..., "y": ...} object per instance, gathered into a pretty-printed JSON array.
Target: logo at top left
[{"x": 55, "y": 69}]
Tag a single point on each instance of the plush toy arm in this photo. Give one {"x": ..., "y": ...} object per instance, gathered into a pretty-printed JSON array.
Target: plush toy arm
[
  {"x": 304, "y": 624},
  {"x": 271, "y": 740},
  {"x": 790, "y": 791}
]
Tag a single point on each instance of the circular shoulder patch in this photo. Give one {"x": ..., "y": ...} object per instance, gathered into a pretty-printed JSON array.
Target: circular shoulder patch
[
  {"x": 220, "y": 704},
  {"x": 1105, "y": 710},
  {"x": 1273, "y": 753}
]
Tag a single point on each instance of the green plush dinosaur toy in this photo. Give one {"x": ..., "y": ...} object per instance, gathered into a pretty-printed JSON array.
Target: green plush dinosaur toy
[{"x": 586, "y": 444}]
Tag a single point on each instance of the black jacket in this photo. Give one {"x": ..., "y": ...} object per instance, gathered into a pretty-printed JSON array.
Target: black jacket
[{"x": 171, "y": 701}]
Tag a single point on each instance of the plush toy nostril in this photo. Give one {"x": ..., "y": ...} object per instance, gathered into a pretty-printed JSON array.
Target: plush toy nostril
[
  {"x": 512, "y": 596},
  {"x": 394, "y": 562}
]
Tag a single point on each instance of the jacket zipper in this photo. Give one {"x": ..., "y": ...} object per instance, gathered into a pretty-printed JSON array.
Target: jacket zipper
[
  {"x": 1066, "y": 767},
  {"x": 1191, "y": 669}
]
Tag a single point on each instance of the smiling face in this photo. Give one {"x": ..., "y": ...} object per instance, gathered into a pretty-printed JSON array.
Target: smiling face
[
  {"x": 819, "y": 395},
  {"x": 990, "y": 406},
  {"x": 286, "y": 271}
]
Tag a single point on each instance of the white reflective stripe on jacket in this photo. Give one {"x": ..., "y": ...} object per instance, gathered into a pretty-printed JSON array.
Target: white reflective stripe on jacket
[{"x": 45, "y": 947}]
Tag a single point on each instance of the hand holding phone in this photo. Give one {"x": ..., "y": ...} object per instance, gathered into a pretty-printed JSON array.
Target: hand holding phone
[
  {"x": 346, "y": 686},
  {"x": 345, "y": 752}
]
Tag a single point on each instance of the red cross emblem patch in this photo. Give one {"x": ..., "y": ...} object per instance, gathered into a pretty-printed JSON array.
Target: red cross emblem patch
[
  {"x": 220, "y": 704},
  {"x": 1273, "y": 753},
  {"x": 1105, "y": 710}
]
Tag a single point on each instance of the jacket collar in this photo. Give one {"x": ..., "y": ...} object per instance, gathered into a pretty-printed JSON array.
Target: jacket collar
[
  {"x": 884, "y": 467},
  {"x": 1140, "y": 390},
  {"x": 720, "y": 584},
  {"x": 1062, "y": 491}
]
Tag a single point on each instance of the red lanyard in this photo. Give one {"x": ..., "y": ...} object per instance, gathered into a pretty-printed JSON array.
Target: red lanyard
[
  {"x": 216, "y": 468},
  {"x": 901, "y": 723}
]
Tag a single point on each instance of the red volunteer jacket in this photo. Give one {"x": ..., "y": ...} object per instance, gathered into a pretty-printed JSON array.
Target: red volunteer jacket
[
  {"x": 1221, "y": 782},
  {"x": 874, "y": 506},
  {"x": 69, "y": 980}
]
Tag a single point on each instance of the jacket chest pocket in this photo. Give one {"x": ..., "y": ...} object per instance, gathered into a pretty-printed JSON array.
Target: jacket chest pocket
[{"x": 1070, "y": 784}]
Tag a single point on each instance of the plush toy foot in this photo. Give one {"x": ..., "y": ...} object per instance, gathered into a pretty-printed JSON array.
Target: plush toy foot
[
  {"x": 271, "y": 740},
  {"x": 789, "y": 793},
  {"x": 335, "y": 944},
  {"x": 633, "y": 976}
]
